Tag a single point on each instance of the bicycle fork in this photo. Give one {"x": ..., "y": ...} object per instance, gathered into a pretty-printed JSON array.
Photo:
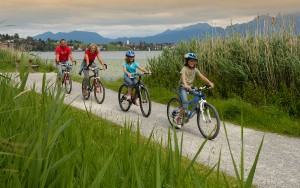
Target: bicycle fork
[{"x": 201, "y": 104}]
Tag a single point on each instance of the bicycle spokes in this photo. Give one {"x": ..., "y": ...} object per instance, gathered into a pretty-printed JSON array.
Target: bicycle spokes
[
  {"x": 99, "y": 91},
  {"x": 145, "y": 101},
  {"x": 208, "y": 121}
]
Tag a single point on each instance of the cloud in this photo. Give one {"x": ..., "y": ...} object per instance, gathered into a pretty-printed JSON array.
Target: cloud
[{"x": 124, "y": 18}]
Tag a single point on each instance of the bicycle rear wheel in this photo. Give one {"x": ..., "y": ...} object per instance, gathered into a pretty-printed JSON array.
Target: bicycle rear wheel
[
  {"x": 67, "y": 83},
  {"x": 208, "y": 122},
  {"x": 173, "y": 108},
  {"x": 85, "y": 89},
  {"x": 122, "y": 95},
  {"x": 145, "y": 101},
  {"x": 99, "y": 91}
]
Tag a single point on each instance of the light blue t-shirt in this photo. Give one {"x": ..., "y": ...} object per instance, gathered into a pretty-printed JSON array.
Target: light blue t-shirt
[{"x": 130, "y": 68}]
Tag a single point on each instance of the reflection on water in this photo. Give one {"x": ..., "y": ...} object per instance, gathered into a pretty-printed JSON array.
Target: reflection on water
[{"x": 113, "y": 59}]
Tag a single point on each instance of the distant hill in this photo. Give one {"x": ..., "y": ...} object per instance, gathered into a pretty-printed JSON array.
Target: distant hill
[
  {"x": 290, "y": 22},
  {"x": 187, "y": 33},
  {"x": 84, "y": 36}
]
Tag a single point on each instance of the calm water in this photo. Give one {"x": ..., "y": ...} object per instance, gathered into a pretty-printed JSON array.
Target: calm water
[{"x": 113, "y": 59}]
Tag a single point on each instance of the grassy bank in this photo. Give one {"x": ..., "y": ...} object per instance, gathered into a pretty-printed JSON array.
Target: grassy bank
[
  {"x": 9, "y": 58},
  {"x": 60, "y": 146}
]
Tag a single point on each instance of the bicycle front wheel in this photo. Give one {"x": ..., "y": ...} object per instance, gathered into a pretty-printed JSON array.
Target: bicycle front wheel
[
  {"x": 122, "y": 98},
  {"x": 145, "y": 101},
  {"x": 99, "y": 91},
  {"x": 68, "y": 83},
  {"x": 208, "y": 121},
  {"x": 173, "y": 108},
  {"x": 85, "y": 89}
]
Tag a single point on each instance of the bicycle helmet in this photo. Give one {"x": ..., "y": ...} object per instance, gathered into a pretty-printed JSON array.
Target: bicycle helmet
[
  {"x": 130, "y": 53},
  {"x": 190, "y": 55}
]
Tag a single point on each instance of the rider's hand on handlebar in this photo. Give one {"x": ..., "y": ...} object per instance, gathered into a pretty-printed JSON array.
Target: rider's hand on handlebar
[
  {"x": 188, "y": 87},
  {"x": 103, "y": 67},
  {"x": 129, "y": 75},
  {"x": 211, "y": 85}
]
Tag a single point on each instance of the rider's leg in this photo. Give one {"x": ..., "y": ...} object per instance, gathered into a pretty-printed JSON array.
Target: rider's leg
[
  {"x": 83, "y": 64},
  {"x": 59, "y": 73},
  {"x": 184, "y": 102},
  {"x": 130, "y": 84}
]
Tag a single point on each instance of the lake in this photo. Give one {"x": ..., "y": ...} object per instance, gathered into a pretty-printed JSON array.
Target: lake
[{"x": 113, "y": 59}]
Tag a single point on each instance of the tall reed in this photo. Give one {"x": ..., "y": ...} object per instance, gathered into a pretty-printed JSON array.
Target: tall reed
[{"x": 262, "y": 68}]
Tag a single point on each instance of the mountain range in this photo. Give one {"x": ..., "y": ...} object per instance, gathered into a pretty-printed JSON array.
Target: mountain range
[{"x": 290, "y": 22}]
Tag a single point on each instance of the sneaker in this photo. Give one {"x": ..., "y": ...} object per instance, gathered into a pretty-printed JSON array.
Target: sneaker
[
  {"x": 136, "y": 102},
  {"x": 79, "y": 73},
  {"x": 179, "y": 121},
  {"x": 177, "y": 126},
  {"x": 128, "y": 97}
]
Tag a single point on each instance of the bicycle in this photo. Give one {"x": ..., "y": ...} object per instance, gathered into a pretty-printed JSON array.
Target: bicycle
[
  {"x": 208, "y": 119},
  {"x": 96, "y": 86},
  {"x": 66, "y": 78},
  {"x": 142, "y": 93}
]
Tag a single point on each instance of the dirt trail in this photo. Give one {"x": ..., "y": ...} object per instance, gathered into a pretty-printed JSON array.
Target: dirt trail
[{"x": 279, "y": 161}]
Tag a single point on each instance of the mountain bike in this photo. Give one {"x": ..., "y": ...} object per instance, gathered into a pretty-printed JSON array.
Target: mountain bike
[
  {"x": 66, "y": 78},
  {"x": 93, "y": 83},
  {"x": 139, "y": 91},
  {"x": 208, "y": 119}
]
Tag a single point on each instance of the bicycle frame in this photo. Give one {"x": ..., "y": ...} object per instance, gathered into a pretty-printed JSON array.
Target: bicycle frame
[
  {"x": 139, "y": 83},
  {"x": 198, "y": 100}
]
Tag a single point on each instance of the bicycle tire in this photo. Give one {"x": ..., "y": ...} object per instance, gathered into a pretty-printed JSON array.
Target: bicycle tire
[
  {"x": 99, "y": 91},
  {"x": 68, "y": 83},
  {"x": 85, "y": 89},
  {"x": 209, "y": 129},
  {"x": 145, "y": 101},
  {"x": 123, "y": 102},
  {"x": 173, "y": 109}
]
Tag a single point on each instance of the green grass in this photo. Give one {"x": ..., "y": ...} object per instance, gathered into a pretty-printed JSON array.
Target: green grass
[{"x": 45, "y": 143}]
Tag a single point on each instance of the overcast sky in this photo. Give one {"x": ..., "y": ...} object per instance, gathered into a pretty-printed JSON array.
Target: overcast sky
[{"x": 130, "y": 18}]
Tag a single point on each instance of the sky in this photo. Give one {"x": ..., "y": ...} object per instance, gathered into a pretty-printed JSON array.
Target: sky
[{"x": 130, "y": 18}]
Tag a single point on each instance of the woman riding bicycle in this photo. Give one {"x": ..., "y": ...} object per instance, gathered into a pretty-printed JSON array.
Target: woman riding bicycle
[
  {"x": 187, "y": 77},
  {"x": 89, "y": 57},
  {"x": 129, "y": 68}
]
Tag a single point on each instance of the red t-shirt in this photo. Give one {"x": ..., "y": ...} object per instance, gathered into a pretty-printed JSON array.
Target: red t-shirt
[
  {"x": 92, "y": 57},
  {"x": 63, "y": 53}
]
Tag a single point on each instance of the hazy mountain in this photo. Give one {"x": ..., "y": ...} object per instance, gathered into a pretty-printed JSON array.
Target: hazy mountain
[
  {"x": 258, "y": 24},
  {"x": 290, "y": 22},
  {"x": 84, "y": 36}
]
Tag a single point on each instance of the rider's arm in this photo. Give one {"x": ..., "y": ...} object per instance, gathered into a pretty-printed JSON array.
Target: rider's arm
[
  {"x": 86, "y": 57},
  {"x": 101, "y": 61},
  {"x": 206, "y": 80},
  {"x": 126, "y": 72},
  {"x": 72, "y": 59},
  {"x": 142, "y": 69},
  {"x": 57, "y": 58},
  {"x": 183, "y": 80}
]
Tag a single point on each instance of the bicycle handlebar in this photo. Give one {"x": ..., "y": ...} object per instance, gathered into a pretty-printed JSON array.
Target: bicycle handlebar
[
  {"x": 94, "y": 68},
  {"x": 206, "y": 87},
  {"x": 140, "y": 74},
  {"x": 65, "y": 65}
]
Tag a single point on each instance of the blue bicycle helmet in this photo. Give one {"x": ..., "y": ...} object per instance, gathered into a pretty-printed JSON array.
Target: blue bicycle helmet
[
  {"x": 130, "y": 53},
  {"x": 190, "y": 55}
]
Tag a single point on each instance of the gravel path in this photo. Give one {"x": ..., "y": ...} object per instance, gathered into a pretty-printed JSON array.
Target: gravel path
[{"x": 279, "y": 161}]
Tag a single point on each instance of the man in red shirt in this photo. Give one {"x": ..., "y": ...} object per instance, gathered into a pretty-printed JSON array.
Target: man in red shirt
[{"x": 63, "y": 53}]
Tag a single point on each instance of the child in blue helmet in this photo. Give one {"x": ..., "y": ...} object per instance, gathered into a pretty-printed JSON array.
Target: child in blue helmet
[
  {"x": 129, "y": 68},
  {"x": 187, "y": 76}
]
